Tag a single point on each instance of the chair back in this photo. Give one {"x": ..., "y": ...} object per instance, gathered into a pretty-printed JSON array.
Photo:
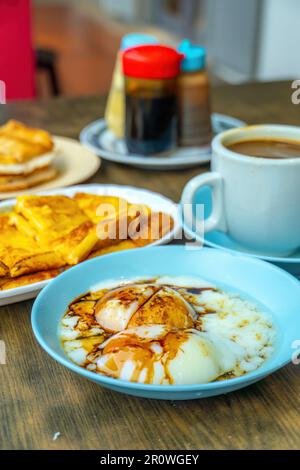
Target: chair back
[{"x": 17, "y": 64}]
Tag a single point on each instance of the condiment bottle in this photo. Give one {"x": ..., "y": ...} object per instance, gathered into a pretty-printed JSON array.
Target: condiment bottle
[
  {"x": 115, "y": 107},
  {"x": 194, "y": 127},
  {"x": 151, "y": 102}
]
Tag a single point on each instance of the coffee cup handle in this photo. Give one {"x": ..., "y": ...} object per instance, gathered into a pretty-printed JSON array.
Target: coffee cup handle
[{"x": 216, "y": 220}]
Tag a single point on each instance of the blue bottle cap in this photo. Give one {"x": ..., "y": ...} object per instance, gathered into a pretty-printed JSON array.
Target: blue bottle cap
[
  {"x": 137, "y": 39},
  {"x": 194, "y": 56}
]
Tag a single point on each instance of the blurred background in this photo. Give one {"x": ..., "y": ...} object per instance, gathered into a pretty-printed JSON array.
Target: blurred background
[{"x": 75, "y": 41}]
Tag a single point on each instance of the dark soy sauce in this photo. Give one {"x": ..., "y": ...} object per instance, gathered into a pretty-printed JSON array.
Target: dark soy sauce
[{"x": 151, "y": 124}]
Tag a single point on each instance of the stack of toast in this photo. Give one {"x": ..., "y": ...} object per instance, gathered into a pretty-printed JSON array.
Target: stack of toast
[
  {"x": 26, "y": 157},
  {"x": 44, "y": 235}
]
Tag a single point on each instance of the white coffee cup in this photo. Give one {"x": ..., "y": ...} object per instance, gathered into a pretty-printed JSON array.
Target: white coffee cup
[{"x": 255, "y": 200}]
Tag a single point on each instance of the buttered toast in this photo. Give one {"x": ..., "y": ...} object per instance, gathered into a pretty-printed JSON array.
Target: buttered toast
[{"x": 44, "y": 235}]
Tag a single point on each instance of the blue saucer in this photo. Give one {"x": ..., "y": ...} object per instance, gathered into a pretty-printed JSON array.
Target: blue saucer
[{"x": 217, "y": 239}]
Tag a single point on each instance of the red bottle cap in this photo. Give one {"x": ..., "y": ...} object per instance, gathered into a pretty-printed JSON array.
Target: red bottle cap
[{"x": 151, "y": 61}]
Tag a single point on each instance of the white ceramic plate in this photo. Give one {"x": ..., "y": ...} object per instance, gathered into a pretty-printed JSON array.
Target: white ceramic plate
[
  {"x": 104, "y": 143},
  {"x": 155, "y": 201},
  {"x": 75, "y": 163}
]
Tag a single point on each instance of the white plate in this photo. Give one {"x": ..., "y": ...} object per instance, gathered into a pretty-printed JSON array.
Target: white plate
[
  {"x": 104, "y": 143},
  {"x": 155, "y": 201},
  {"x": 74, "y": 162}
]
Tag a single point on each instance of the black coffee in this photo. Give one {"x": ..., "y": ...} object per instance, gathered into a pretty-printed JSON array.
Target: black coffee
[{"x": 267, "y": 148}]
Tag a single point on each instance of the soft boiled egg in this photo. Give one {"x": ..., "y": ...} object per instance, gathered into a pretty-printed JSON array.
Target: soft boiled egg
[
  {"x": 143, "y": 304},
  {"x": 157, "y": 355},
  {"x": 166, "y": 331},
  {"x": 82, "y": 350}
]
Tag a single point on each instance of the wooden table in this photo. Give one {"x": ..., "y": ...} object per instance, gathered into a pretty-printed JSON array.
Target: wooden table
[{"x": 40, "y": 397}]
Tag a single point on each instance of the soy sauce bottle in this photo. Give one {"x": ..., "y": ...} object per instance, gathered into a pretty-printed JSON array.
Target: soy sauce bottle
[
  {"x": 150, "y": 94},
  {"x": 115, "y": 107},
  {"x": 194, "y": 128}
]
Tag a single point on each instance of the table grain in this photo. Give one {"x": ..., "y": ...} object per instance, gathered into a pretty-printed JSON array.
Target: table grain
[{"x": 39, "y": 397}]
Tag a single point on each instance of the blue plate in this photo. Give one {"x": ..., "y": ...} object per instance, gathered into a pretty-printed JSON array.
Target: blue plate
[
  {"x": 269, "y": 286},
  {"x": 217, "y": 239}
]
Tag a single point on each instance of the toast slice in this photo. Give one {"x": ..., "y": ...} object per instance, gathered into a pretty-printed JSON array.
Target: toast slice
[
  {"x": 50, "y": 216},
  {"x": 57, "y": 223},
  {"x": 12, "y": 283},
  {"x": 22, "y": 182},
  {"x": 157, "y": 226},
  {"x": 113, "y": 216},
  {"x": 99, "y": 208},
  {"x": 23, "y": 133},
  {"x": 21, "y": 254}
]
